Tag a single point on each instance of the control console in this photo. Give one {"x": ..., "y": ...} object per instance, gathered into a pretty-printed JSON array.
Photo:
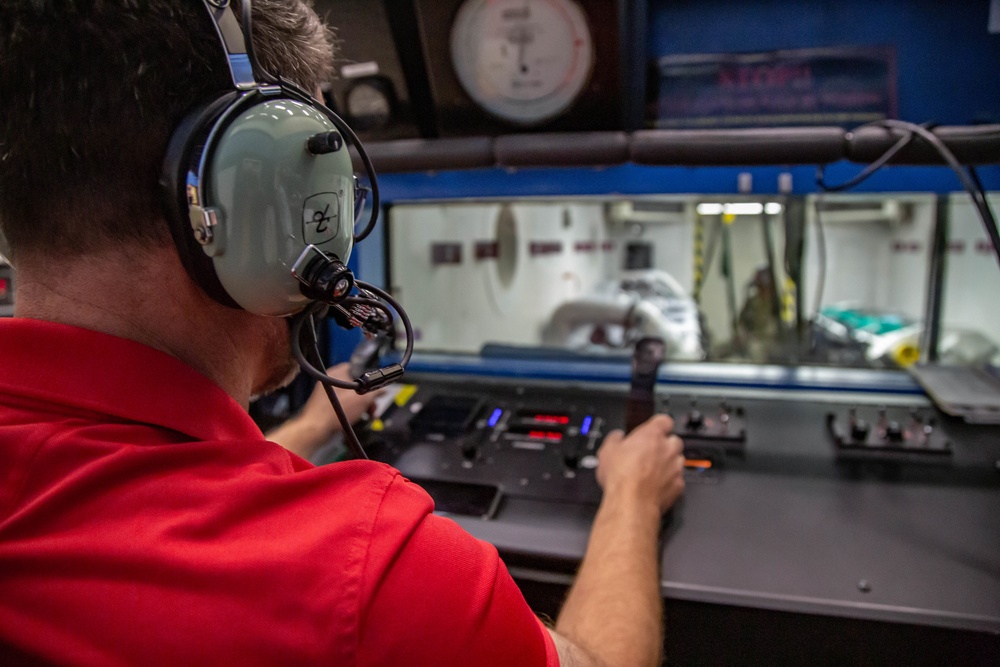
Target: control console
[
  {"x": 539, "y": 442},
  {"x": 715, "y": 424},
  {"x": 830, "y": 502},
  {"x": 888, "y": 435}
]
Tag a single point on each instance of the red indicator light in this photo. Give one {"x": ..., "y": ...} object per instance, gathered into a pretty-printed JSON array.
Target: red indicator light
[
  {"x": 545, "y": 435},
  {"x": 552, "y": 419}
]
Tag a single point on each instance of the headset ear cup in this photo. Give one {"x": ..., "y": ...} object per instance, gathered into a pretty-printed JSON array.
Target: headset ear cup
[{"x": 184, "y": 150}]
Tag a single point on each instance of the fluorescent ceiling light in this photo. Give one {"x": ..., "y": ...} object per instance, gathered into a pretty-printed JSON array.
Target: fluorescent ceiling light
[{"x": 742, "y": 208}]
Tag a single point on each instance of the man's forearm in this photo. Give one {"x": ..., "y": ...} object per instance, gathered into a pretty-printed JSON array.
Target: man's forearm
[
  {"x": 614, "y": 610},
  {"x": 300, "y": 436}
]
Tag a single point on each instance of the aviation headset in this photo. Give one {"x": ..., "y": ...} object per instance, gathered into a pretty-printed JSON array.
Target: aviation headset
[{"x": 261, "y": 197}]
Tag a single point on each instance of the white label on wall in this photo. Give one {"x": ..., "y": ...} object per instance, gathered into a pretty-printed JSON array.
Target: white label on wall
[
  {"x": 355, "y": 70},
  {"x": 994, "y": 15}
]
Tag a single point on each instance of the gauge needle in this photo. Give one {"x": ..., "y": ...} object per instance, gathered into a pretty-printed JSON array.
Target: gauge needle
[{"x": 522, "y": 41}]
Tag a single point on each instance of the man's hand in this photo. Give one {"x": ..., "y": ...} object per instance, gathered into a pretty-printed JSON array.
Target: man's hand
[
  {"x": 317, "y": 422},
  {"x": 648, "y": 463},
  {"x": 613, "y": 615}
]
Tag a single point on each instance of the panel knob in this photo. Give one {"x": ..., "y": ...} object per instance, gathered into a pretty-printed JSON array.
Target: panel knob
[{"x": 695, "y": 420}]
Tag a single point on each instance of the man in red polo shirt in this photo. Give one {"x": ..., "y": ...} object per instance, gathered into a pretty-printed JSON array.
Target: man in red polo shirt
[{"x": 144, "y": 518}]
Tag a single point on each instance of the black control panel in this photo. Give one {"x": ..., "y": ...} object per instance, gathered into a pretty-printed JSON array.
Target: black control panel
[
  {"x": 539, "y": 441},
  {"x": 528, "y": 445},
  {"x": 901, "y": 435},
  {"x": 813, "y": 506},
  {"x": 715, "y": 423}
]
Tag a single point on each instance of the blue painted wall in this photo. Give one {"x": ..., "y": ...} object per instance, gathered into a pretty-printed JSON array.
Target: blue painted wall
[
  {"x": 631, "y": 179},
  {"x": 948, "y": 72},
  {"x": 948, "y": 63}
]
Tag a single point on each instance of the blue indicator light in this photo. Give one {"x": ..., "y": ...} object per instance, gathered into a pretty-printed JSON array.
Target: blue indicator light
[
  {"x": 495, "y": 417},
  {"x": 585, "y": 427}
]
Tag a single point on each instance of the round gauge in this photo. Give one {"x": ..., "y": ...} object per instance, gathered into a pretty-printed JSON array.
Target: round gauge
[
  {"x": 525, "y": 61},
  {"x": 370, "y": 102}
]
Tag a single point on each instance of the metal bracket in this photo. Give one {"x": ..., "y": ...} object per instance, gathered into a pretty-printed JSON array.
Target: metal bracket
[
  {"x": 203, "y": 223},
  {"x": 304, "y": 261}
]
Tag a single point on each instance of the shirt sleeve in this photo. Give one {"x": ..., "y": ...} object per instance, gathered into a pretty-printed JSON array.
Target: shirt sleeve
[{"x": 434, "y": 595}]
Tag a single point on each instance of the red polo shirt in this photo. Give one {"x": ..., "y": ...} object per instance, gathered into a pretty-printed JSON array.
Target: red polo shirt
[{"x": 144, "y": 519}]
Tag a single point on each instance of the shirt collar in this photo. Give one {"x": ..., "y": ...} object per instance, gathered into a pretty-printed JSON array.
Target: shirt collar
[{"x": 94, "y": 371}]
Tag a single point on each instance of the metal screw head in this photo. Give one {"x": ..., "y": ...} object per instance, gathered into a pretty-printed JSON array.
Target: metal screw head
[
  {"x": 203, "y": 235},
  {"x": 864, "y": 586}
]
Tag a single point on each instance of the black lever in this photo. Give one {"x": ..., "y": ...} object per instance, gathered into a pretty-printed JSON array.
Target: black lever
[{"x": 641, "y": 404}]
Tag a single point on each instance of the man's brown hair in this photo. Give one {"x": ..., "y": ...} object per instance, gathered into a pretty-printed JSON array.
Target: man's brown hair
[{"x": 90, "y": 91}]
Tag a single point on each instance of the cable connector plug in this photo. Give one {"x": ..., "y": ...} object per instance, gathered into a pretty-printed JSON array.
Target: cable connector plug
[
  {"x": 322, "y": 278},
  {"x": 377, "y": 379}
]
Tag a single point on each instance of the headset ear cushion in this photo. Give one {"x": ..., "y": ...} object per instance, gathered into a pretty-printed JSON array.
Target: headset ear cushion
[{"x": 184, "y": 150}]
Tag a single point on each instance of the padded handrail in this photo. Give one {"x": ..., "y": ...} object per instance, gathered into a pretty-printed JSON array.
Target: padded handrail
[
  {"x": 754, "y": 146},
  {"x": 557, "y": 150},
  {"x": 405, "y": 155},
  {"x": 975, "y": 144}
]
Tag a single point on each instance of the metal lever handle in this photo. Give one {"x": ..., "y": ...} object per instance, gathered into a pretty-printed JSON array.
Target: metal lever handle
[{"x": 641, "y": 403}]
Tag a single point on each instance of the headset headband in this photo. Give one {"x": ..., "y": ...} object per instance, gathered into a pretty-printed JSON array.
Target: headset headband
[{"x": 233, "y": 41}]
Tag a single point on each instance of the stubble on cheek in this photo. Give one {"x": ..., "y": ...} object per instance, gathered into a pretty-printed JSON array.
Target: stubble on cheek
[{"x": 279, "y": 367}]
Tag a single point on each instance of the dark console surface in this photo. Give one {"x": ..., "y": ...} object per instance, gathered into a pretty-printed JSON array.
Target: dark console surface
[{"x": 792, "y": 503}]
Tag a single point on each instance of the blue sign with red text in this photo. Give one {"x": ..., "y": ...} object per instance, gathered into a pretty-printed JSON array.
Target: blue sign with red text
[{"x": 844, "y": 86}]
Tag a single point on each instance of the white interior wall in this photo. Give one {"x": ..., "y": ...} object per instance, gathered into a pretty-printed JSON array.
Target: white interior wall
[
  {"x": 672, "y": 238},
  {"x": 873, "y": 260},
  {"x": 972, "y": 279},
  {"x": 908, "y": 271},
  {"x": 459, "y": 307}
]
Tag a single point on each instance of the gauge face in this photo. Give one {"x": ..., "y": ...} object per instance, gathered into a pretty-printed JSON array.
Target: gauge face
[
  {"x": 367, "y": 101},
  {"x": 370, "y": 103},
  {"x": 525, "y": 61}
]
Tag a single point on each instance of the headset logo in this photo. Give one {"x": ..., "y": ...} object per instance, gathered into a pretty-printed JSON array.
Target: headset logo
[{"x": 321, "y": 218}]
